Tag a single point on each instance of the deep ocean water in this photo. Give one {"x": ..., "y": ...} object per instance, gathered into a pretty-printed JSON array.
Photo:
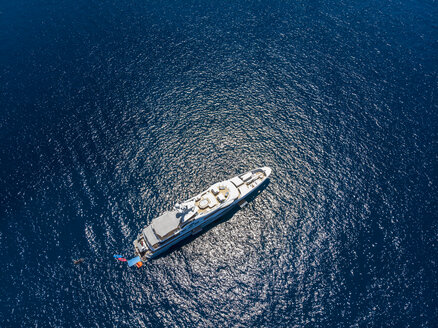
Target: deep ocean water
[{"x": 113, "y": 111}]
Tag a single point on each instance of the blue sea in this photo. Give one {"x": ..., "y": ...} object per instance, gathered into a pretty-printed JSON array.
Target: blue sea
[{"x": 113, "y": 111}]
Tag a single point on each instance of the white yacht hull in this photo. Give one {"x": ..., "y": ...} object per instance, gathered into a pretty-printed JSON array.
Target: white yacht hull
[{"x": 240, "y": 192}]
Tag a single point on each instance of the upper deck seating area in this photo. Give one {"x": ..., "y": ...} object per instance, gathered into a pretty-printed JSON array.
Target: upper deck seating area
[{"x": 212, "y": 201}]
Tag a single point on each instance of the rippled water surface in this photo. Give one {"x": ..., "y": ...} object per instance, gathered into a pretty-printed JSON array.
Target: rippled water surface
[{"x": 113, "y": 111}]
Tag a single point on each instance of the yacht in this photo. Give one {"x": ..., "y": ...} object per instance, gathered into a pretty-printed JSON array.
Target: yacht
[{"x": 191, "y": 216}]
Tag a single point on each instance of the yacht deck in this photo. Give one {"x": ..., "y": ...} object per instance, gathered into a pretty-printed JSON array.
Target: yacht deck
[{"x": 208, "y": 201}]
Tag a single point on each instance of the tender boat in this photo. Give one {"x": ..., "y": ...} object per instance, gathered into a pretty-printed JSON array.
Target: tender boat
[{"x": 191, "y": 216}]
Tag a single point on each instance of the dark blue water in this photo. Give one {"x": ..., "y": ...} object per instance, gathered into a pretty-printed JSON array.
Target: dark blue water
[{"x": 112, "y": 111}]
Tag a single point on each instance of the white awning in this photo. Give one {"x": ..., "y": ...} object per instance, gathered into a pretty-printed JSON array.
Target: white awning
[
  {"x": 165, "y": 224},
  {"x": 246, "y": 176},
  {"x": 237, "y": 181}
]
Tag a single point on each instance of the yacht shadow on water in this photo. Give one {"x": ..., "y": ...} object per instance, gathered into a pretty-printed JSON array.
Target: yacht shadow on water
[{"x": 222, "y": 219}]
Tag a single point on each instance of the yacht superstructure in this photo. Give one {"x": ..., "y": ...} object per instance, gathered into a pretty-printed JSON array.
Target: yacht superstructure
[{"x": 191, "y": 216}]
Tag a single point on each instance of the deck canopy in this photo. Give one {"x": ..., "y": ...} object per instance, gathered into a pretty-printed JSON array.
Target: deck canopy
[
  {"x": 166, "y": 224},
  {"x": 150, "y": 236}
]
